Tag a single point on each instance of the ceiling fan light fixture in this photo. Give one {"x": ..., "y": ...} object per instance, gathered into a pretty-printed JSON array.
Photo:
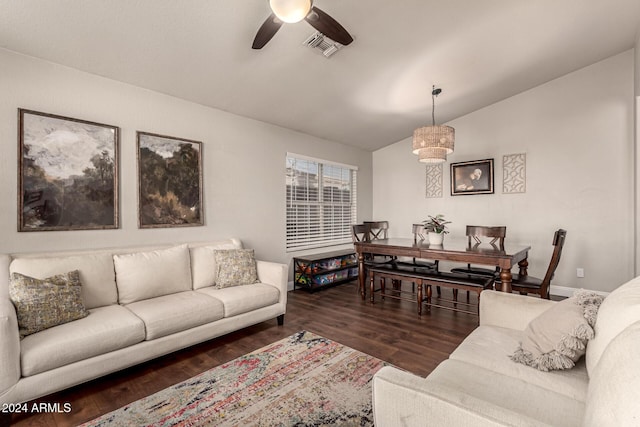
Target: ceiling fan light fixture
[{"x": 290, "y": 11}]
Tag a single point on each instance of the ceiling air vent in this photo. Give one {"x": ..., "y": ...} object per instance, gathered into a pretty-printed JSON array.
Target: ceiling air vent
[{"x": 320, "y": 42}]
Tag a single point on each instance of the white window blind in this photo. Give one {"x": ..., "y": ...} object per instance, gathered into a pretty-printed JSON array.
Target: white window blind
[{"x": 321, "y": 202}]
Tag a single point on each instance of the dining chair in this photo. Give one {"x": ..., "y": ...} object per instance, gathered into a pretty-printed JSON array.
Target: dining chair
[
  {"x": 378, "y": 229},
  {"x": 419, "y": 234},
  {"x": 360, "y": 233},
  {"x": 474, "y": 233},
  {"x": 532, "y": 285}
]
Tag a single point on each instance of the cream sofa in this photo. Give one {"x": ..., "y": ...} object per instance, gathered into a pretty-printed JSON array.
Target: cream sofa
[
  {"x": 480, "y": 386},
  {"x": 143, "y": 303}
]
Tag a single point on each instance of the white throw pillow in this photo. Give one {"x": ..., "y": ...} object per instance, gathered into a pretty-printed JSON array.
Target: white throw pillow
[
  {"x": 558, "y": 337},
  {"x": 618, "y": 311},
  {"x": 96, "y": 274},
  {"x": 203, "y": 263},
  {"x": 145, "y": 275}
]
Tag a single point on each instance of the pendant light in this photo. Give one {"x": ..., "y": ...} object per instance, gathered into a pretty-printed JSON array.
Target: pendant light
[{"x": 433, "y": 143}]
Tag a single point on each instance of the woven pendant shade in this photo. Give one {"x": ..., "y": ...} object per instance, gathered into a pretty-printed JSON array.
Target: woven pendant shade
[
  {"x": 434, "y": 137},
  {"x": 432, "y": 155},
  {"x": 433, "y": 143}
]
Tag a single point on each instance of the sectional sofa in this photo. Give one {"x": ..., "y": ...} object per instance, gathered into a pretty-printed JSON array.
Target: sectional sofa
[
  {"x": 479, "y": 384},
  {"x": 142, "y": 303}
]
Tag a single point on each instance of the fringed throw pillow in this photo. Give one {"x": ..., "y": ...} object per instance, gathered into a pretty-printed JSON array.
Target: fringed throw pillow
[
  {"x": 557, "y": 338},
  {"x": 44, "y": 303}
]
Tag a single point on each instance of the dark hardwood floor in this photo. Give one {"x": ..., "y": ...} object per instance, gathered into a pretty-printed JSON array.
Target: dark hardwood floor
[{"x": 390, "y": 330}]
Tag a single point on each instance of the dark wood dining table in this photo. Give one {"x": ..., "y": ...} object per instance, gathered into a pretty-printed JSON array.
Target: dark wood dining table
[{"x": 455, "y": 250}]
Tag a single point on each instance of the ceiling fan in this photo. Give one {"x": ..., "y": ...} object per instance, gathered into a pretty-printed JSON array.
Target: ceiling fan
[{"x": 291, "y": 11}]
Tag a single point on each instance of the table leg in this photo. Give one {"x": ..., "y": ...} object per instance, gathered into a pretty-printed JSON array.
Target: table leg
[
  {"x": 505, "y": 278},
  {"x": 361, "y": 278},
  {"x": 523, "y": 268},
  {"x": 372, "y": 284}
]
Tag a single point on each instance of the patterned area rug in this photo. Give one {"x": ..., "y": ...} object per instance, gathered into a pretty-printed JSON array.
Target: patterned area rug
[{"x": 302, "y": 380}]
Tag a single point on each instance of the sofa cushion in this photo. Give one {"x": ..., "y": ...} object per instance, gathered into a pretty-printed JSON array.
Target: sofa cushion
[
  {"x": 203, "y": 263},
  {"x": 558, "y": 337},
  {"x": 242, "y": 299},
  {"x": 235, "y": 267},
  {"x": 615, "y": 383},
  {"x": 144, "y": 275},
  {"x": 96, "y": 274},
  {"x": 489, "y": 347},
  {"x": 618, "y": 310},
  {"x": 173, "y": 313},
  {"x": 105, "y": 329},
  {"x": 43, "y": 303},
  {"x": 499, "y": 399}
]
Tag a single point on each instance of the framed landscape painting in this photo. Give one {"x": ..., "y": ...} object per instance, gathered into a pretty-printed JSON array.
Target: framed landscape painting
[
  {"x": 474, "y": 177},
  {"x": 169, "y": 181},
  {"x": 67, "y": 173}
]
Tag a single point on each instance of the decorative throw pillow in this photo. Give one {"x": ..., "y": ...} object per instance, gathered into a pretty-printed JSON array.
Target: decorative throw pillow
[
  {"x": 557, "y": 338},
  {"x": 44, "y": 303},
  {"x": 235, "y": 267}
]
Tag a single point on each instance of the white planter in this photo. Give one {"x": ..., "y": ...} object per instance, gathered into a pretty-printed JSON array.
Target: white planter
[{"x": 435, "y": 238}]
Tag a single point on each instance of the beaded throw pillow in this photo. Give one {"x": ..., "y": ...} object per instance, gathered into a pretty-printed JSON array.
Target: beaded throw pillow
[
  {"x": 235, "y": 267},
  {"x": 43, "y": 303},
  {"x": 557, "y": 338}
]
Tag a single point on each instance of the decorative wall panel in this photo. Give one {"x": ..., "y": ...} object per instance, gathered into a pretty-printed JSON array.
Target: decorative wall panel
[
  {"x": 514, "y": 173},
  {"x": 434, "y": 181}
]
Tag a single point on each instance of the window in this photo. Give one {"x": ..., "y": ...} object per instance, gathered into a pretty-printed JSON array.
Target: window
[{"x": 321, "y": 202}]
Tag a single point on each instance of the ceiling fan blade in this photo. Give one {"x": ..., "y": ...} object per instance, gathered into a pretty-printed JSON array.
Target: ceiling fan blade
[
  {"x": 328, "y": 26},
  {"x": 267, "y": 30}
]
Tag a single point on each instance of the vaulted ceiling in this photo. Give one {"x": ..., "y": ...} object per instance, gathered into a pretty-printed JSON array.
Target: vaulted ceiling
[{"x": 370, "y": 94}]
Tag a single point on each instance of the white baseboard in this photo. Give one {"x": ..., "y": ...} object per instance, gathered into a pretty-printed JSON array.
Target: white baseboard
[
  {"x": 561, "y": 291},
  {"x": 565, "y": 291}
]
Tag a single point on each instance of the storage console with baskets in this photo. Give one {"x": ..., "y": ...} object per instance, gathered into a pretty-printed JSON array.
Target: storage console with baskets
[{"x": 313, "y": 272}]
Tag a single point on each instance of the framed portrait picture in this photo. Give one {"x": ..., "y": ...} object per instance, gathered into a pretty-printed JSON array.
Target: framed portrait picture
[
  {"x": 475, "y": 177},
  {"x": 67, "y": 173},
  {"x": 169, "y": 181}
]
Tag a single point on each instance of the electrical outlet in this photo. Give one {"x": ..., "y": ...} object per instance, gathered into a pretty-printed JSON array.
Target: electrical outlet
[{"x": 580, "y": 272}]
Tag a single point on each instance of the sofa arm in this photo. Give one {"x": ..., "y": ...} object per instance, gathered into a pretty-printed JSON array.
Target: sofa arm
[
  {"x": 511, "y": 311},
  {"x": 9, "y": 346},
  {"x": 274, "y": 274},
  {"x": 404, "y": 399}
]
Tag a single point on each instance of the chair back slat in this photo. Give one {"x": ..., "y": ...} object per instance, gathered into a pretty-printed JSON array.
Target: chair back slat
[
  {"x": 378, "y": 229},
  {"x": 360, "y": 233},
  {"x": 419, "y": 232},
  {"x": 558, "y": 243},
  {"x": 496, "y": 233}
]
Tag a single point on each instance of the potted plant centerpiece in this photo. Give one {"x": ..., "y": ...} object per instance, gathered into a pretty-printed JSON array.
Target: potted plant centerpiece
[{"x": 436, "y": 227}]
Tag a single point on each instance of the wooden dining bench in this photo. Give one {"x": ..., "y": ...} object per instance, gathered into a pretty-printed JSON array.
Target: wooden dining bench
[{"x": 427, "y": 278}]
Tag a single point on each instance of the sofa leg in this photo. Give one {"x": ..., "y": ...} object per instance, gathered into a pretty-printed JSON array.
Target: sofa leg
[{"x": 281, "y": 320}]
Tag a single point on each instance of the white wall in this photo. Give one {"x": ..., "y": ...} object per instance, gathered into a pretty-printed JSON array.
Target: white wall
[
  {"x": 243, "y": 160},
  {"x": 577, "y": 133}
]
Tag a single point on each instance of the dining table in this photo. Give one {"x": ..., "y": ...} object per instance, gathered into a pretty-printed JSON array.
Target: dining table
[{"x": 455, "y": 250}]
